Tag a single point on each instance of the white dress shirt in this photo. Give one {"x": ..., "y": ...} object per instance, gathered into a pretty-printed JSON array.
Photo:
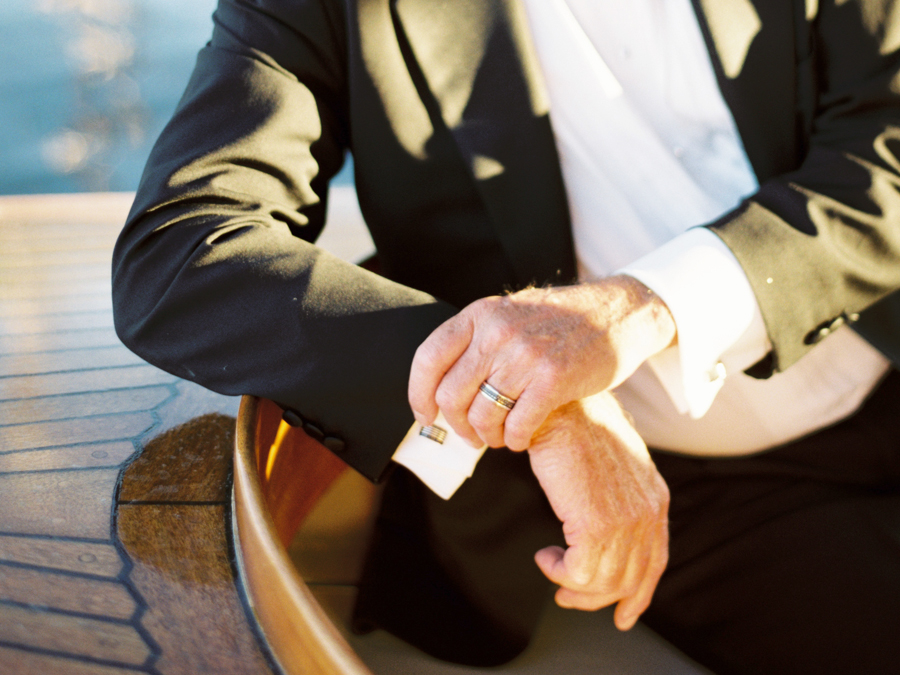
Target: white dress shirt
[{"x": 648, "y": 151}]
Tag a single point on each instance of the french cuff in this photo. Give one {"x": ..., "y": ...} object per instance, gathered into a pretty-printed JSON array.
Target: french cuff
[
  {"x": 720, "y": 328},
  {"x": 443, "y": 461}
]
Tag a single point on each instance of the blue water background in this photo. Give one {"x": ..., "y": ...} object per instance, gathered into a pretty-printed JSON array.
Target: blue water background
[{"x": 86, "y": 86}]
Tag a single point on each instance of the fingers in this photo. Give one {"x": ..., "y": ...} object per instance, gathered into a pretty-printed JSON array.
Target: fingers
[
  {"x": 494, "y": 423},
  {"x": 479, "y": 419},
  {"x": 432, "y": 360},
  {"x": 574, "y": 567},
  {"x": 582, "y": 586},
  {"x": 550, "y": 562},
  {"x": 632, "y": 606},
  {"x": 490, "y": 340},
  {"x": 581, "y": 571},
  {"x": 587, "y": 584},
  {"x": 447, "y": 370},
  {"x": 471, "y": 414},
  {"x": 530, "y": 412},
  {"x": 487, "y": 417}
]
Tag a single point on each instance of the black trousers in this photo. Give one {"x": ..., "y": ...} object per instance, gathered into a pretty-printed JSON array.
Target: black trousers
[
  {"x": 784, "y": 562},
  {"x": 789, "y": 561}
]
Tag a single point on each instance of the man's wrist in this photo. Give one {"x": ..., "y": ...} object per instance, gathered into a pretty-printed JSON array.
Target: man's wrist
[
  {"x": 637, "y": 320},
  {"x": 656, "y": 323},
  {"x": 719, "y": 326}
]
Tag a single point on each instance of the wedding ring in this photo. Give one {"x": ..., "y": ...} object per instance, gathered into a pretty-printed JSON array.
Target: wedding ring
[
  {"x": 434, "y": 433},
  {"x": 499, "y": 399}
]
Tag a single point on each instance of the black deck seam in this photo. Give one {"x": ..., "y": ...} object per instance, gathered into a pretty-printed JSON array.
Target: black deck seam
[{"x": 75, "y": 657}]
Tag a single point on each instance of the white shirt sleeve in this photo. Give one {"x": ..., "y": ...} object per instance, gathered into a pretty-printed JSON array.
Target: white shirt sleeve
[
  {"x": 720, "y": 328},
  {"x": 442, "y": 465}
]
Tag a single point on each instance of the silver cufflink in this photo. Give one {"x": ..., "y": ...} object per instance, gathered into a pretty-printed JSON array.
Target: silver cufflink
[{"x": 434, "y": 433}]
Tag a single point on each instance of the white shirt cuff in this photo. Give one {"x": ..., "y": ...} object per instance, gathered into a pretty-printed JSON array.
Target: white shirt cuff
[
  {"x": 442, "y": 466},
  {"x": 720, "y": 328}
]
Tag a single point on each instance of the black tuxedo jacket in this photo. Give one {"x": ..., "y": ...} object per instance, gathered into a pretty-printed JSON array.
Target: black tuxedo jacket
[{"x": 217, "y": 279}]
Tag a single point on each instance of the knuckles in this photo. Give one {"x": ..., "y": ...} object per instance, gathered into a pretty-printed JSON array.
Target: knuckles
[
  {"x": 516, "y": 438},
  {"x": 496, "y": 335},
  {"x": 549, "y": 378},
  {"x": 529, "y": 351}
]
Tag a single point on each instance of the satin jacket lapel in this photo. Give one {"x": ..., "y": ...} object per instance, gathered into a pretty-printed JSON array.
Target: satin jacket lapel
[
  {"x": 478, "y": 62},
  {"x": 758, "y": 50}
]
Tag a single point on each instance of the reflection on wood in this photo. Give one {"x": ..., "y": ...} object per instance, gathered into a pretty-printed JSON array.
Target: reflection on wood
[
  {"x": 66, "y": 592},
  {"x": 330, "y": 546},
  {"x": 174, "y": 504},
  {"x": 185, "y": 464},
  {"x": 60, "y": 503},
  {"x": 50, "y": 342},
  {"x": 82, "y": 405},
  {"x": 78, "y": 457},
  {"x": 75, "y": 405},
  {"x": 84, "y": 380},
  {"x": 75, "y": 359},
  {"x": 182, "y": 570},
  {"x": 100, "y": 640},
  {"x": 289, "y": 454},
  {"x": 99, "y": 560},
  {"x": 85, "y": 430},
  {"x": 30, "y": 663}
]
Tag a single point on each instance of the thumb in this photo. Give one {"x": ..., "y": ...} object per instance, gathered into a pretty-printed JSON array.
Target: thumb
[
  {"x": 565, "y": 567},
  {"x": 550, "y": 561}
]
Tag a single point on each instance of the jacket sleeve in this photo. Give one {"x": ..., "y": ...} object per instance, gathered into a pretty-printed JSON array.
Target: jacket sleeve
[
  {"x": 215, "y": 276},
  {"x": 822, "y": 243}
]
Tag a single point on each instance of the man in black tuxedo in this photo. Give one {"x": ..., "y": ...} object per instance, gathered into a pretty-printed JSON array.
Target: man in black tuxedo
[{"x": 217, "y": 279}]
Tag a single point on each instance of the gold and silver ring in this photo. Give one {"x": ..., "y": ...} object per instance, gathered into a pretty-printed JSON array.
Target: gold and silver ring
[{"x": 499, "y": 399}]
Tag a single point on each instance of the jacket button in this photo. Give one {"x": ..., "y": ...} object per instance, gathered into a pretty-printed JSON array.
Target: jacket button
[
  {"x": 292, "y": 417},
  {"x": 313, "y": 432},
  {"x": 336, "y": 445},
  {"x": 815, "y": 336},
  {"x": 823, "y": 330}
]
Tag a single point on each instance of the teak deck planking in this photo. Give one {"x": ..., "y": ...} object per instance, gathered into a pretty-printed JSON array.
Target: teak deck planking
[{"x": 106, "y": 567}]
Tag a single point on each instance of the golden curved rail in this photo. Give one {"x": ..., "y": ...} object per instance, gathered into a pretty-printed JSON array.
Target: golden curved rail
[{"x": 279, "y": 474}]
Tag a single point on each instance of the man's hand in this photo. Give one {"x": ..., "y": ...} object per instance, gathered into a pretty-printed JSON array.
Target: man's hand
[
  {"x": 603, "y": 486},
  {"x": 542, "y": 347}
]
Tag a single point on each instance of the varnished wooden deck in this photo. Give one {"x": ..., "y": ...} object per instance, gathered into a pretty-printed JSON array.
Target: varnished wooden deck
[{"x": 104, "y": 569}]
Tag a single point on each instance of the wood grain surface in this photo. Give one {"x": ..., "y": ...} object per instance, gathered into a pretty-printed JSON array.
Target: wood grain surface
[{"x": 115, "y": 477}]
